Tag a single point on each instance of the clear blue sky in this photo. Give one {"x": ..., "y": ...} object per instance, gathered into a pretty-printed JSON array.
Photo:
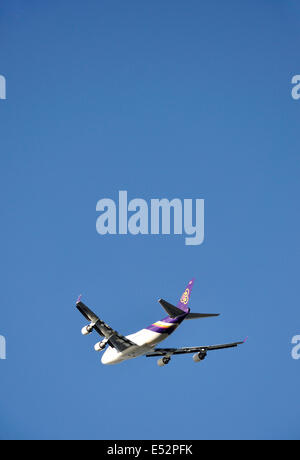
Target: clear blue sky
[{"x": 164, "y": 99}]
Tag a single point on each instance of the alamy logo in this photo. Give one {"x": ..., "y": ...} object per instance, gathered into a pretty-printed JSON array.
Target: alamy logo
[
  {"x": 2, "y": 347},
  {"x": 2, "y": 87},
  {"x": 115, "y": 222},
  {"x": 296, "y": 88},
  {"x": 296, "y": 349}
]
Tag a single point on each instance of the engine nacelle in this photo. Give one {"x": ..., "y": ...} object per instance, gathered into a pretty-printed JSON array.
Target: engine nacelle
[
  {"x": 100, "y": 345},
  {"x": 86, "y": 330},
  {"x": 197, "y": 357},
  {"x": 163, "y": 361}
]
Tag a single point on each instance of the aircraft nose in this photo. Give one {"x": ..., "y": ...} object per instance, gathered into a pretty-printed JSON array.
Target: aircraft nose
[
  {"x": 110, "y": 356},
  {"x": 104, "y": 359}
]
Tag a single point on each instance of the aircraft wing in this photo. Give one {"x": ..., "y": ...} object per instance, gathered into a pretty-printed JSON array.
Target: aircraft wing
[
  {"x": 181, "y": 351},
  {"x": 113, "y": 337}
]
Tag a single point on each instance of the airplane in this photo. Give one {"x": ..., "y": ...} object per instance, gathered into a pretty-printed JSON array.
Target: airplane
[{"x": 143, "y": 342}]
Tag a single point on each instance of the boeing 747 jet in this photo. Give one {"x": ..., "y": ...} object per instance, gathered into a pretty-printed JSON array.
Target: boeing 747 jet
[{"x": 143, "y": 343}]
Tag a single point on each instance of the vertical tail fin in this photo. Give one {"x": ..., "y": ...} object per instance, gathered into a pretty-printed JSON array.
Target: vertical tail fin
[{"x": 184, "y": 299}]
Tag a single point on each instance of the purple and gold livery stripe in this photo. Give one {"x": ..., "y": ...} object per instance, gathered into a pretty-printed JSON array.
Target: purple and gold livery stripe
[
  {"x": 166, "y": 325},
  {"x": 162, "y": 324}
]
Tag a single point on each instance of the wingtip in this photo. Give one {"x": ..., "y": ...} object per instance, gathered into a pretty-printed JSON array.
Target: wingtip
[
  {"x": 79, "y": 299},
  {"x": 245, "y": 340}
]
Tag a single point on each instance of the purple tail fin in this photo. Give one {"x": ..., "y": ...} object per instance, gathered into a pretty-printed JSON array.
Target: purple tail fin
[{"x": 184, "y": 300}]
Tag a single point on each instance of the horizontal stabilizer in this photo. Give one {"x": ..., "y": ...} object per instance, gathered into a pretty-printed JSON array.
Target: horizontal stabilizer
[
  {"x": 170, "y": 309},
  {"x": 201, "y": 315}
]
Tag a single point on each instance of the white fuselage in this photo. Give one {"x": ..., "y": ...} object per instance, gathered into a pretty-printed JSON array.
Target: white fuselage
[{"x": 145, "y": 341}]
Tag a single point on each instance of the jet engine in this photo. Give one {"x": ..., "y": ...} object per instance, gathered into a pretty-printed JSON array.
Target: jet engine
[
  {"x": 163, "y": 361},
  {"x": 197, "y": 357},
  {"x": 86, "y": 330},
  {"x": 100, "y": 345}
]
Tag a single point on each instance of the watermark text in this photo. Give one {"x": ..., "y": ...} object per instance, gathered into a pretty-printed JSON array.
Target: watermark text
[
  {"x": 296, "y": 349},
  {"x": 2, "y": 347},
  {"x": 296, "y": 87},
  {"x": 2, "y": 87},
  {"x": 137, "y": 217}
]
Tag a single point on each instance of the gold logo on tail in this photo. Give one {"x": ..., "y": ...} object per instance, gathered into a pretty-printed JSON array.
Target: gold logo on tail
[{"x": 185, "y": 296}]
